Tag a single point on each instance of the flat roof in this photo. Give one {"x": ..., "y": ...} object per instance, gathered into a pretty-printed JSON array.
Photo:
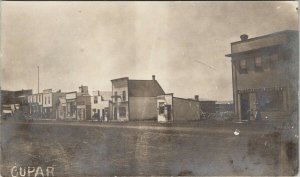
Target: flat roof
[{"x": 260, "y": 42}]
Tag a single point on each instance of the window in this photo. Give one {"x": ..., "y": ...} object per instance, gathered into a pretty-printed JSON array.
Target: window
[
  {"x": 258, "y": 63},
  {"x": 94, "y": 110},
  {"x": 124, "y": 95},
  {"x": 270, "y": 101},
  {"x": 95, "y": 99},
  {"x": 274, "y": 60},
  {"x": 116, "y": 96},
  {"x": 39, "y": 98},
  {"x": 49, "y": 100},
  {"x": 122, "y": 111},
  {"x": 45, "y": 100},
  {"x": 161, "y": 108},
  {"x": 274, "y": 57},
  {"x": 243, "y": 65},
  {"x": 266, "y": 63}
]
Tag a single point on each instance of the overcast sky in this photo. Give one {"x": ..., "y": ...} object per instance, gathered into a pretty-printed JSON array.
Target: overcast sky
[{"x": 91, "y": 43}]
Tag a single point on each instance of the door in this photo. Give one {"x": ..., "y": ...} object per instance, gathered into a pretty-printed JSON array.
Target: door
[
  {"x": 169, "y": 115},
  {"x": 115, "y": 113},
  {"x": 245, "y": 107}
]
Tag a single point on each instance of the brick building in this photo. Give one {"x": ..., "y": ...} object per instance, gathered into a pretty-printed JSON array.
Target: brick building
[{"x": 78, "y": 104}]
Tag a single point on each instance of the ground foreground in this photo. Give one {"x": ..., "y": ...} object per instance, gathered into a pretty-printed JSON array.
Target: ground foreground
[{"x": 94, "y": 149}]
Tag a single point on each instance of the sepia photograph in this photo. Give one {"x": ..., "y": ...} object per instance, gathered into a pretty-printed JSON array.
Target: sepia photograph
[{"x": 141, "y": 88}]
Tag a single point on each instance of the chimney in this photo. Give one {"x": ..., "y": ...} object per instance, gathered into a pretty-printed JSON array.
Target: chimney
[
  {"x": 197, "y": 97},
  {"x": 153, "y": 77},
  {"x": 244, "y": 37}
]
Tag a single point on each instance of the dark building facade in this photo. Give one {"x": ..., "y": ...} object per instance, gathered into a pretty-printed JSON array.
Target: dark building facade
[
  {"x": 78, "y": 104},
  {"x": 14, "y": 100},
  {"x": 265, "y": 73}
]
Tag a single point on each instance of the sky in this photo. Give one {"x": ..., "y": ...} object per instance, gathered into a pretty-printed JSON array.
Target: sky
[{"x": 91, "y": 43}]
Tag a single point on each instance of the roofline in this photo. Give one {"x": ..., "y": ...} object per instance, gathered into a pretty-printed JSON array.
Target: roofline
[
  {"x": 15, "y": 90},
  {"x": 187, "y": 99},
  {"x": 71, "y": 92},
  {"x": 127, "y": 78},
  {"x": 267, "y": 35},
  {"x": 141, "y": 80},
  {"x": 258, "y": 49},
  {"x": 166, "y": 94},
  {"x": 142, "y": 97},
  {"x": 160, "y": 86}
]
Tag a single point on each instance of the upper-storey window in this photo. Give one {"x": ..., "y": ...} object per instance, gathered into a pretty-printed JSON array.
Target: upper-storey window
[
  {"x": 116, "y": 96},
  {"x": 274, "y": 60},
  {"x": 124, "y": 95},
  {"x": 95, "y": 99},
  {"x": 258, "y": 63},
  {"x": 243, "y": 65}
]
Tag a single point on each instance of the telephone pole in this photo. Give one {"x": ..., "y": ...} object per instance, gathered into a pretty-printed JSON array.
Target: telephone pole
[{"x": 38, "y": 79}]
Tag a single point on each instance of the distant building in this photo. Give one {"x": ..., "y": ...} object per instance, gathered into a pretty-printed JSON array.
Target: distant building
[
  {"x": 135, "y": 99},
  {"x": 35, "y": 102},
  {"x": 71, "y": 103},
  {"x": 78, "y": 104},
  {"x": 265, "y": 73},
  {"x": 170, "y": 108},
  {"x": 50, "y": 103},
  {"x": 61, "y": 108},
  {"x": 100, "y": 101},
  {"x": 224, "y": 106},
  {"x": 12, "y": 101}
]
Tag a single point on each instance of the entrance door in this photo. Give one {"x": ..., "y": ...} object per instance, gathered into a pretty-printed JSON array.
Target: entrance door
[
  {"x": 115, "y": 113},
  {"x": 169, "y": 112},
  {"x": 245, "y": 106}
]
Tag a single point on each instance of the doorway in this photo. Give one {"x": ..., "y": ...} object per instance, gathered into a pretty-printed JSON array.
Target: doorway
[
  {"x": 245, "y": 107},
  {"x": 169, "y": 115},
  {"x": 115, "y": 113}
]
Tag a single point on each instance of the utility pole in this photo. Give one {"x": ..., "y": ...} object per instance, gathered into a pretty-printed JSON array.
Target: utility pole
[{"x": 38, "y": 79}]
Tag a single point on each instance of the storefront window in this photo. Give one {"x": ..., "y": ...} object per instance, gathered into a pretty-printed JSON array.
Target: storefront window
[
  {"x": 270, "y": 101},
  {"x": 122, "y": 111}
]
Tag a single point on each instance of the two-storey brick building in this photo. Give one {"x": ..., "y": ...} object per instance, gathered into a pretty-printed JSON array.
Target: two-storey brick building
[
  {"x": 78, "y": 104},
  {"x": 265, "y": 73}
]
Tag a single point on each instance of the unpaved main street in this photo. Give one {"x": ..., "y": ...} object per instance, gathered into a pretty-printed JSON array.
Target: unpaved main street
[{"x": 94, "y": 149}]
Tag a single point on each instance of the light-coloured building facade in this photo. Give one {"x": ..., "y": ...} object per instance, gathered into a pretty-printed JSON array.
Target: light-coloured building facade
[
  {"x": 134, "y": 99},
  {"x": 35, "y": 102},
  {"x": 50, "y": 103},
  {"x": 100, "y": 101}
]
